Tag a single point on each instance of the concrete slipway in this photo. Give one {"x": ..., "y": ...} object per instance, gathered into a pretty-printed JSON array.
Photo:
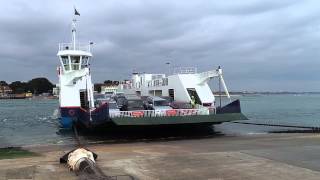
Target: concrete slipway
[{"x": 268, "y": 156}]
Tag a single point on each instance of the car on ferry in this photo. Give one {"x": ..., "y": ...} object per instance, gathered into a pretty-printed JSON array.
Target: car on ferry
[
  {"x": 113, "y": 108},
  {"x": 132, "y": 102},
  {"x": 181, "y": 105},
  {"x": 101, "y": 97},
  {"x": 156, "y": 103},
  {"x": 120, "y": 100}
]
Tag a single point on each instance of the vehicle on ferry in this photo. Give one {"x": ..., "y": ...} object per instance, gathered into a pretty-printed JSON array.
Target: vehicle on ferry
[
  {"x": 181, "y": 105},
  {"x": 157, "y": 103},
  {"x": 133, "y": 103},
  {"x": 113, "y": 108}
]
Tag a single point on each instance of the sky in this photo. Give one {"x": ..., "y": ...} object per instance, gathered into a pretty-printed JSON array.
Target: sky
[{"x": 261, "y": 45}]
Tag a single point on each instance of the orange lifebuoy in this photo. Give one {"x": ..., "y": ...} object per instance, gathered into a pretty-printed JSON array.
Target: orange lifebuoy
[
  {"x": 137, "y": 114},
  {"x": 171, "y": 112}
]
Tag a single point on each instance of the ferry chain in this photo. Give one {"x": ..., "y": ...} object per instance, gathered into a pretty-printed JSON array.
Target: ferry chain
[{"x": 89, "y": 170}]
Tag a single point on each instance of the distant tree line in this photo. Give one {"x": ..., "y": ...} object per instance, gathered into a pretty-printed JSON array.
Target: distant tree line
[
  {"x": 97, "y": 86},
  {"x": 36, "y": 86},
  {"x": 111, "y": 83}
]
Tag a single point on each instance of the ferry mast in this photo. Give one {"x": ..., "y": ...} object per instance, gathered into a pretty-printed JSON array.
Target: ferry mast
[{"x": 74, "y": 29}]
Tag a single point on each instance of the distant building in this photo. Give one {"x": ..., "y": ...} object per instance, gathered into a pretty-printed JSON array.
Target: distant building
[
  {"x": 5, "y": 90},
  {"x": 109, "y": 89},
  {"x": 56, "y": 91},
  {"x": 29, "y": 94}
]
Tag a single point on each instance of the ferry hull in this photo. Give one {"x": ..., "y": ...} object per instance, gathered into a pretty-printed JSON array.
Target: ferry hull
[
  {"x": 78, "y": 116},
  {"x": 71, "y": 116},
  {"x": 233, "y": 107},
  {"x": 178, "y": 120},
  {"x": 227, "y": 113}
]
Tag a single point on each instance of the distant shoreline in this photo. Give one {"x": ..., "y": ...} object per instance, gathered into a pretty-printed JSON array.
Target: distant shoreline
[
  {"x": 13, "y": 97},
  {"x": 234, "y": 93}
]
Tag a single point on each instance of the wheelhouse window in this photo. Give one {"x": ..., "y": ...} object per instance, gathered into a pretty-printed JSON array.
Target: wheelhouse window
[
  {"x": 65, "y": 63},
  {"x": 75, "y": 62},
  {"x": 84, "y": 62}
]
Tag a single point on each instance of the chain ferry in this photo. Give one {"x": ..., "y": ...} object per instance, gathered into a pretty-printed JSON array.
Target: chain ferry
[{"x": 79, "y": 108}]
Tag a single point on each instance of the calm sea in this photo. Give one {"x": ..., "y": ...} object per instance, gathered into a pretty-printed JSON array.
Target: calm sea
[{"x": 25, "y": 122}]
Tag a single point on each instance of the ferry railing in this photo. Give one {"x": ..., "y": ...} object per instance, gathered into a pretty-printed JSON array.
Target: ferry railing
[
  {"x": 158, "y": 82},
  {"x": 162, "y": 113},
  {"x": 78, "y": 47},
  {"x": 185, "y": 70},
  {"x": 207, "y": 74}
]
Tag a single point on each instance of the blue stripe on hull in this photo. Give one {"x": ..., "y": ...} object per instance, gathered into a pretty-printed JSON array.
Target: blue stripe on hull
[
  {"x": 66, "y": 122},
  {"x": 75, "y": 115}
]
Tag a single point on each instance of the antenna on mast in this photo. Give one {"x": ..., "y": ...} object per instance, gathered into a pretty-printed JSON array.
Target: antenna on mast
[{"x": 74, "y": 29}]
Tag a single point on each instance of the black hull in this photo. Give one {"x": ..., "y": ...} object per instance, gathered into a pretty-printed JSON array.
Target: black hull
[{"x": 233, "y": 107}]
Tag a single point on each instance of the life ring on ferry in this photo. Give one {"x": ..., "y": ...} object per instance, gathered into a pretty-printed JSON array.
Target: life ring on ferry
[
  {"x": 71, "y": 112},
  {"x": 171, "y": 112},
  {"x": 137, "y": 113}
]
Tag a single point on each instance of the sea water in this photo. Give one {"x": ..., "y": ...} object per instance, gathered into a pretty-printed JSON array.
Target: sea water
[
  {"x": 276, "y": 109},
  {"x": 30, "y": 122}
]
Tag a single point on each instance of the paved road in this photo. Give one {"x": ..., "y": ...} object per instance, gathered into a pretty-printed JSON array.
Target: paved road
[{"x": 269, "y": 156}]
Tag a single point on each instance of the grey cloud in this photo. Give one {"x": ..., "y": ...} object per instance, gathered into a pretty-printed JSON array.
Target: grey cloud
[{"x": 262, "y": 45}]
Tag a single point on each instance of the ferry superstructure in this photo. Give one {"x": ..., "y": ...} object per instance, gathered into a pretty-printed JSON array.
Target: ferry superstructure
[
  {"x": 76, "y": 88},
  {"x": 182, "y": 85}
]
